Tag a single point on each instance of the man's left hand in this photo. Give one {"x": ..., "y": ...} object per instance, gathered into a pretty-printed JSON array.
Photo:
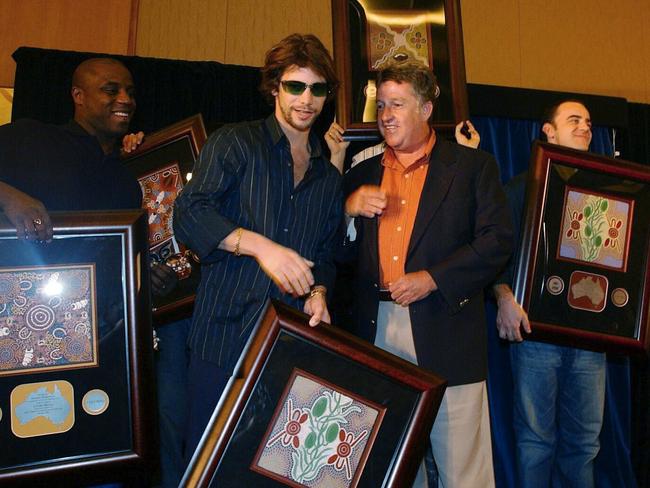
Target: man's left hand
[
  {"x": 471, "y": 139},
  {"x": 412, "y": 287},
  {"x": 316, "y": 306},
  {"x": 163, "y": 280}
]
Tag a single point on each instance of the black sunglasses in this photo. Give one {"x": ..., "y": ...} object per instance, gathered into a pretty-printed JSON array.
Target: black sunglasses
[{"x": 298, "y": 87}]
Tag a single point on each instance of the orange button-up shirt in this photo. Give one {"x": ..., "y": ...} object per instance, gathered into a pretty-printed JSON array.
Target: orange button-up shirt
[{"x": 403, "y": 188}]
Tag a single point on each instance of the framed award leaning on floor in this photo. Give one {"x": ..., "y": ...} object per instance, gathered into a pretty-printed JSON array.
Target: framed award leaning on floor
[{"x": 316, "y": 407}]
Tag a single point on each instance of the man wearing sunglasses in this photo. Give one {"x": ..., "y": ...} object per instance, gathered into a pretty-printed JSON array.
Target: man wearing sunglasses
[{"x": 261, "y": 211}]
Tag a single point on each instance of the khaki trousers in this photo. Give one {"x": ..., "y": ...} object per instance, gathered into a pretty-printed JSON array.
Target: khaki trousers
[{"x": 460, "y": 437}]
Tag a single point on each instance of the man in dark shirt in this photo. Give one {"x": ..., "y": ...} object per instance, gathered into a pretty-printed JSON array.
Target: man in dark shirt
[
  {"x": 261, "y": 211},
  {"x": 77, "y": 167},
  {"x": 559, "y": 391},
  {"x": 71, "y": 167}
]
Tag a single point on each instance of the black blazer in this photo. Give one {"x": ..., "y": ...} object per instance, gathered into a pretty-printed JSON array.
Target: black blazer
[{"x": 463, "y": 237}]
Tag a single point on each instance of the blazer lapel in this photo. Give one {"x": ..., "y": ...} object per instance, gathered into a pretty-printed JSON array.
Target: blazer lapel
[
  {"x": 375, "y": 174},
  {"x": 437, "y": 183}
]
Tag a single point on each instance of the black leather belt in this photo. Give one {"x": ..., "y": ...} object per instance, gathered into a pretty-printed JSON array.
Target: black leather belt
[{"x": 384, "y": 296}]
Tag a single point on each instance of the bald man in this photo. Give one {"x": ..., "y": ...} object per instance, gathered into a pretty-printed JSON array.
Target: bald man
[{"x": 75, "y": 166}]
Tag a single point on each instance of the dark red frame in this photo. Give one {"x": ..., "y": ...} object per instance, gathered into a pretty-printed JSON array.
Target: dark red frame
[
  {"x": 181, "y": 302},
  {"x": 342, "y": 47},
  {"x": 130, "y": 466},
  {"x": 543, "y": 156},
  {"x": 280, "y": 318}
]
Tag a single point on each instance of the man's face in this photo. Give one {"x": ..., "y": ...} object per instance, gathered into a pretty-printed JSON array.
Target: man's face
[
  {"x": 571, "y": 126},
  {"x": 401, "y": 118},
  {"x": 105, "y": 101},
  {"x": 298, "y": 112}
]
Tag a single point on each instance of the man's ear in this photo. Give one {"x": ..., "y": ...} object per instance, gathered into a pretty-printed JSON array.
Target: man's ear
[
  {"x": 77, "y": 95},
  {"x": 549, "y": 130},
  {"x": 427, "y": 109}
]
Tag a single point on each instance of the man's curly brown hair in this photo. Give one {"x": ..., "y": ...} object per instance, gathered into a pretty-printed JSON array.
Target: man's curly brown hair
[{"x": 304, "y": 51}]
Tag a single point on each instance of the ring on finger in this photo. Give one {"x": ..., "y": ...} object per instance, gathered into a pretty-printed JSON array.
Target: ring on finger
[{"x": 37, "y": 222}]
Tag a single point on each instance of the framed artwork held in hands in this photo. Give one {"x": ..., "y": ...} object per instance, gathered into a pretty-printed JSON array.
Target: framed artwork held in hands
[
  {"x": 316, "y": 407},
  {"x": 370, "y": 34},
  {"x": 163, "y": 165},
  {"x": 76, "y": 360},
  {"x": 583, "y": 272}
]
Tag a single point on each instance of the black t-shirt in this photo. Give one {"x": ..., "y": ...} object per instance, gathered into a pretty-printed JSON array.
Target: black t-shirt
[{"x": 64, "y": 167}]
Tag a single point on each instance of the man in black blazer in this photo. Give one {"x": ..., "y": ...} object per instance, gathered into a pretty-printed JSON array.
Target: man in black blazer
[{"x": 432, "y": 230}]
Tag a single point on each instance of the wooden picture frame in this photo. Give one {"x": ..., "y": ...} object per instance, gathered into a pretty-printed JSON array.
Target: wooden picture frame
[
  {"x": 583, "y": 272},
  {"x": 430, "y": 32},
  {"x": 87, "y": 422},
  {"x": 162, "y": 165},
  {"x": 401, "y": 400}
]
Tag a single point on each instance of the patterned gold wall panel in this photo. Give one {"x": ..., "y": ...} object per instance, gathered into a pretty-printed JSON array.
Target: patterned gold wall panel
[
  {"x": 230, "y": 31},
  {"x": 254, "y": 26},
  {"x": 593, "y": 46},
  {"x": 585, "y": 46},
  {"x": 183, "y": 29},
  {"x": 91, "y": 25},
  {"x": 6, "y": 100},
  {"x": 491, "y": 37},
  {"x": 645, "y": 49}
]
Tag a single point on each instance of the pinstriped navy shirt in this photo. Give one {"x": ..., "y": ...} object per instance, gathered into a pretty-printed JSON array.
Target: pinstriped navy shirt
[{"x": 244, "y": 178}]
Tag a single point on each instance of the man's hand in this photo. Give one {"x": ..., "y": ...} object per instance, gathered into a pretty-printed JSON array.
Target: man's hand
[
  {"x": 130, "y": 142},
  {"x": 510, "y": 316},
  {"x": 288, "y": 269},
  {"x": 412, "y": 287},
  {"x": 163, "y": 279},
  {"x": 474, "y": 137},
  {"x": 316, "y": 306},
  {"x": 27, "y": 214},
  {"x": 337, "y": 146},
  {"x": 367, "y": 201}
]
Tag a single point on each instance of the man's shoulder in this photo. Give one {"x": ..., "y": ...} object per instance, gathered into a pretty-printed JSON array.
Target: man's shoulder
[
  {"x": 464, "y": 153},
  {"x": 517, "y": 181},
  {"x": 240, "y": 133},
  {"x": 362, "y": 166},
  {"x": 32, "y": 138},
  {"x": 28, "y": 126}
]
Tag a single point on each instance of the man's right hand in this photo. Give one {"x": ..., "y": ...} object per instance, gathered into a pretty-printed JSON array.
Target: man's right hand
[
  {"x": 366, "y": 201},
  {"x": 511, "y": 317},
  {"x": 27, "y": 214},
  {"x": 288, "y": 269}
]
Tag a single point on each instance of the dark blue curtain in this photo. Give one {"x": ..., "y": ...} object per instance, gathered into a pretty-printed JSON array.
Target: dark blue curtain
[{"x": 510, "y": 141}]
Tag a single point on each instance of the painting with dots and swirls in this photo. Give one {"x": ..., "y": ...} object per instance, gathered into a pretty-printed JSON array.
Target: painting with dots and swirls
[
  {"x": 159, "y": 190},
  {"x": 320, "y": 435},
  {"x": 393, "y": 39},
  {"x": 48, "y": 318}
]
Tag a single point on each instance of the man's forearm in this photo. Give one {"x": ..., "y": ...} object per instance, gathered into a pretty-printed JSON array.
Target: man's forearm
[
  {"x": 8, "y": 194},
  {"x": 502, "y": 291}
]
